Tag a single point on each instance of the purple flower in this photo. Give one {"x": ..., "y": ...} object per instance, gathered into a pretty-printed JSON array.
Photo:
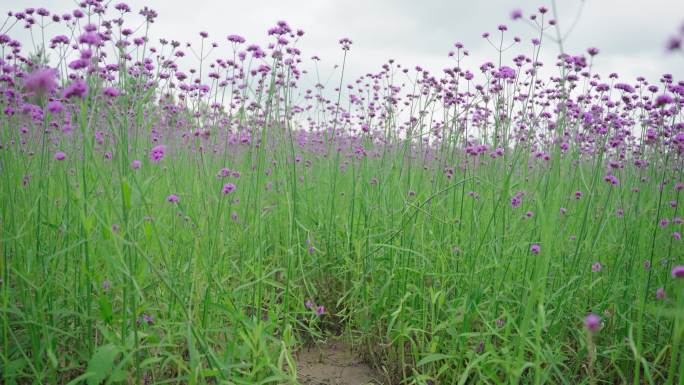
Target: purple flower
[
  {"x": 157, "y": 153},
  {"x": 105, "y": 285},
  {"x": 515, "y": 201},
  {"x": 592, "y": 322},
  {"x": 320, "y": 310},
  {"x": 228, "y": 188},
  {"x": 309, "y": 305},
  {"x": 535, "y": 249},
  {"x": 55, "y": 107},
  {"x": 678, "y": 271},
  {"x": 677, "y": 236},
  {"x": 660, "y": 293},
  {"x": 173, "y": 198},
  {"x": 59, "y": 155},
  {"x": 77, "y": 89},
  {"x": 596, "y": 267},
  {"x": 516, "y": 14},
  {"x": 111, "y": 92},
  {"x": 41, "y": 81},
  {"x": 135, "y": 164},
  {"x": 663, "y": 100}
]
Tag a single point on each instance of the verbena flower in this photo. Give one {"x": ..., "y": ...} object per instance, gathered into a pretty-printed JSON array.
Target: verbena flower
[{"x": 592, "y": 322}]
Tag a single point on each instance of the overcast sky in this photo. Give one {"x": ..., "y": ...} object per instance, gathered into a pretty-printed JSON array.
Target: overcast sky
[{"x": 631, "y": 34}]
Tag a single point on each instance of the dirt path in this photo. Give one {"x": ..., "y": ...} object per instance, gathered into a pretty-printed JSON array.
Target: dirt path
[{"x": 334, "y": 363}]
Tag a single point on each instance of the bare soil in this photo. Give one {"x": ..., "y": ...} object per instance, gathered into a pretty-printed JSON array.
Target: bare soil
[{"x": 334, "y": 363}]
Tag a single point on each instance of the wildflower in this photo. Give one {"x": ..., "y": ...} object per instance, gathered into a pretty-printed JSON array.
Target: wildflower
[
  {"x": 55, "y": 107},
  {"x": 596, "y": 267},
  {"x": 41, "y": 81},
  {"x": 535, "y": 249},
  {"x": 234, "y": 216},
  {"x": 678, "y": 271},
  {"x": 660, "y": 293},
  {"x": 563, "y": 210},
  {"x": 309, "y": 305},
  {"x": 677, "y": 236},
  {"x": 578, "y": 195},
  {"x": 111, "y": 92},
  {"x": 592, "y": 322},
  {"x": 173, "y": 198},
  {"x": 135, "y": 164},
  {"x": 647, "y": 264},
  {"x": 228, "y": 188},
  {"x": 516, "y": 201},
  {"x": 516, "y": 14},
  {"x": 663, "y": 100},
  {"x": 500, "y": 322},
  {"x": 77, "y": 89},
  {"x": 105, "y": 285},
  {"x": 320, "y": 310},
  {"x": 664, "y": 222},
  {"x": 157, "y": 153},
  {"x": 59, "y": 155}
]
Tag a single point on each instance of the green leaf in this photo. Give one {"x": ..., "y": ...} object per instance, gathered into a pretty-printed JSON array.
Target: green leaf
[
  {"x": 101, "y": 363},
  {"x": 432, "y": 358}
]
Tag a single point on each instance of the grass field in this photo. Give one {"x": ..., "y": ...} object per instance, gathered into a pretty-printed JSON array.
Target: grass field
[{"x": 161, "y": 225}]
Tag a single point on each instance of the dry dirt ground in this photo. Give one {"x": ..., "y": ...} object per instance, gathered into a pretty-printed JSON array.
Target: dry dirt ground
[{"x": 334, "y": 363}]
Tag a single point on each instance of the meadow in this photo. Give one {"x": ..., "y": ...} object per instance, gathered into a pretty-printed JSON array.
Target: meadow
[{"x": 482, "y": 223}]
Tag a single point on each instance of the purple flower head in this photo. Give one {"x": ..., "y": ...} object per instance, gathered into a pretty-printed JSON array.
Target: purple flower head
[
  {"x": 105, "y": 285},
  {"x": 41, "y": 81},
  {"x": 157, "y": 153},
  {"x": 77, "y": 89},
  {"x": 596, "y": 267},
  {"x": 148, "y": 319},
  {"x": 59, "y": 155},
  {"x": 516, "y": 14},
  {"x": 660, "y": 293},
  {"x": 663, "y": 100},
  {"x": 135, "y": 164},
  {"x": 516, "y": 201},
  {"x": 592, "y": 322},
  {"x": 593, "y": 51},
  {"x": 173, "y": 198},
  {"x": 678, "y": 271},
  {"x": 228, "y": 188},
  {"x": 677, "y": 236},
  {"x": 320, "y": 310},
  {"x": 535, "y": 249},
  {"x": 309, "y": 304},
  {"x": 55, "y": 107},
  {"x": 111, "y": 92}
]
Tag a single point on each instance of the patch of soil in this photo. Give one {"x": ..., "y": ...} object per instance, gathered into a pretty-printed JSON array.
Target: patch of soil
[{"x": 334, "y": 363}]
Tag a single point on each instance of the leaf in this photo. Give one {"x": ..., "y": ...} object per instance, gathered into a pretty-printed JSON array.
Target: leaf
[
  {"x": 432, "y": 358},
  {"x": 101, "y": 363}
]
